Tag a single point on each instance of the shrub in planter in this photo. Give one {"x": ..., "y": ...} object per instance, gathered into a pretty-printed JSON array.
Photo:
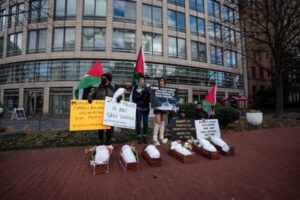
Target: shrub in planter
[{"x": 226, "y": 115}]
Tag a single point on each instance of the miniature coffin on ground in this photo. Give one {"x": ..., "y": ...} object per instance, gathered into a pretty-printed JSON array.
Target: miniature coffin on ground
[
  {"x": 101, "y": 157},
  {"x": 206, "y": 149},
  {"x": 222, "y": 146},
  {"x": 175, "y": 151},
  {"x": 154, "y": 161},
  {"x": 129, "y": 159}
]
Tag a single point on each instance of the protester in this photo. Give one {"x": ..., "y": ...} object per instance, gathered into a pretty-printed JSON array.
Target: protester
[
  {"x": 180, "y": 115},
  {"x": 141, "y": 96},
  {"x": 105, "y": 89},
  {"x": 199, "y": 113},
  {"x": 160, "y": 117}
]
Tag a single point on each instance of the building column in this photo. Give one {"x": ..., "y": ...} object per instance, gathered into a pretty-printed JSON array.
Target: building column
[
  {"x": 46, "y": 100},
  {"x": 21, "y": 97},
  {"x": 190, "y": 95}
]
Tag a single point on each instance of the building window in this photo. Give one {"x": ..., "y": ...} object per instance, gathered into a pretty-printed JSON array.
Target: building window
[
  {"x": 65, "y": 9},
  {"x": 261, "y": 73},
  {"x": 230, "y": 59},
  {"x": 11, "y": 100},
  {"x": 177, "y": 48},
  {"x": 152, "y": 43},
  {"x": 16, "y": 15},
  {"x": 93, "y": 39},
  {"x": 94, "y": 8},
  {"x": 253, "y": 90},
  {"x": 1, "y": 46},
  {"x": 39, "y": 11},
  {"x": 152, "y": 15},
  {"x": 37, "y": 40},
  {"x": 228, "y": 15},
  {"x": 60, "y": 99},
  {"x": 197, "y": 5},
  {"x": 198, "y": 51},
  {"x": 214, "y": 9},
  {"x": 216, "y": 55},
  {"x": 253, "y": 72},
  {"x": 177, "y": 2},
  {"x": 63, "y": 39},
  {"x": 123, "y": 40},
  {"x": 197, "y": 26},
  {"x": 2, "y": 20},
  {"x": 214, "y": 30},
  {"x": 124, "y": 10},
  {"x": 14, "y": 44},
  {"x": 229, "y": 36},
  {"x": 176, "y": 21}
]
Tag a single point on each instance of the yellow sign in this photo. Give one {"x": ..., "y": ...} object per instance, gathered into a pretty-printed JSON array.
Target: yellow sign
[{"x": 87, "y": 116}]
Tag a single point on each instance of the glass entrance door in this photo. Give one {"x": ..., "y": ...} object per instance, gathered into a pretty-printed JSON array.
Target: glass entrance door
[{"x": 33, "y": 101}]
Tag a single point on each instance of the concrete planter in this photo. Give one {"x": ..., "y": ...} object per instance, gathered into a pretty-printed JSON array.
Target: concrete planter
[{"x": 255, "y": 118}]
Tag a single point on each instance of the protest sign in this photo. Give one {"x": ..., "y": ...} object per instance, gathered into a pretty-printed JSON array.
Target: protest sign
[
  {"x": 207, "y": 128},
  {"x": 164, "y": 98},
  {"x": 18, "y": 114},
  {"x": 183, "y": 129},
  {"x": 120, "y": 115},
  {"x": 87, "y": 116}
]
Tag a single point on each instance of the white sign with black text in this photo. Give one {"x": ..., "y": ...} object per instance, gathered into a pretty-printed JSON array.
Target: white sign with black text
[
  {"x": 120, "y": 115},
  {"x": 206, "y": 128}
]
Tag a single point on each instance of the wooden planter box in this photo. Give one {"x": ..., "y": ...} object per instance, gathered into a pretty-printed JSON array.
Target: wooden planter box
[
  {"x": 207, "y": 154},
  {"x": 231, "y": 151},
  {"x": 129, "y": 166},
  {"x": 182, "y": 158},
  {"x": 153, "y": 162}
]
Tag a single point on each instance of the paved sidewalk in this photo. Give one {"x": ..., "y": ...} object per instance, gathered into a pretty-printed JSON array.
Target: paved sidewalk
[{"x": 266, "y": 166}]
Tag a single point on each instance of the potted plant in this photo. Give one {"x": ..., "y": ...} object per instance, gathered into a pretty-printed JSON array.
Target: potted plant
[{"x": 254, "y": 117}]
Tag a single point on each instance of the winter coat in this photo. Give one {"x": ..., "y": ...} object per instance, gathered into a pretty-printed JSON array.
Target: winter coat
[
  {"x": 103, "y": 91},
  {"x": 200, "y": 114},
  {"x": 141, "y": 98}
]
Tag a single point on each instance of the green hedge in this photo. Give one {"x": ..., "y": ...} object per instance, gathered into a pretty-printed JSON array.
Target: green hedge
[{"x": 226, "y": 115}]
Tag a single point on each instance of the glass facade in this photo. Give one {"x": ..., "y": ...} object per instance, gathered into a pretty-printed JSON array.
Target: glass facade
[
  {"x": 197, "y": 5},
  {"x": 176, "y": 20},
  {"x": 16, "y": 15},
  {"x": 198, "y": 51},
  {"x": 36, "y": 41},
  {"x": 152, "y": 43},
  {"x": 229, "y": 36},
  {"x": 1, "y": 46},
  {"x": 38, "y": 11},
  {"x": 214, "y": 30},
  {"x": 124, "y": 10},
  {"x": 93, "y": 39},
  {"x": 152, "y": 15},
  {"x": 14, "y": 44},
  {"x": 197, "y": 26},
  {"x": 63, "y": 39},
  {"x": 177, "y": 2},
  {"x": 230, "y": 58},
  {"x": 65, "y": 8},
  {"x": 2, "y": 20},
  {"x": 94, "y": 8},
  {"x": 60, "y": 100},
  {"x": 229, "y": 15},
  {"x": 216, "y": 55},
  {"x": 177, "y": 48},
  {"x": 214, "y": 8},
  {"x": 123, "y": 40},
  {"x": 72, "y": 70}
]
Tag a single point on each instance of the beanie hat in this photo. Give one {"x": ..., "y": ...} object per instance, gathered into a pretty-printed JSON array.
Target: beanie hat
[{"x": 108, "y": 76}]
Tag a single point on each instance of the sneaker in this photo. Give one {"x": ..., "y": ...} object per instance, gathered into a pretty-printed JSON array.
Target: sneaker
[
  {"x": 140, "y": 140},
  {"x": 156, "y": 143}
]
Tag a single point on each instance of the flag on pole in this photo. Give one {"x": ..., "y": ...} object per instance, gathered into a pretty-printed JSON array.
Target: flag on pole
[
  {"x": 139, "y": 70},
  {"x": 210, "y": 99},
  {"x": 92, "y": 77}
]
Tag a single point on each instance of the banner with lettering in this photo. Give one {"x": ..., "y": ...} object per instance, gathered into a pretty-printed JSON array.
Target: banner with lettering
[
  {"x": 87, "y": 116},
  {"x": 207, "y": 128},
  {"x": 120, "y": 115},
  {"x": 183, "y": 129},
  {"x": 164, "y": 98}
]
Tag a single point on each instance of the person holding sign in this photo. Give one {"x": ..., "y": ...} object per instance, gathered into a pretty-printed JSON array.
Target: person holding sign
[
  {"x": 200, "y": 113},
  {"x": 160, "y": 117},
  {"x": 141, "y": 96},
  {"x": 104, "y": 89}
]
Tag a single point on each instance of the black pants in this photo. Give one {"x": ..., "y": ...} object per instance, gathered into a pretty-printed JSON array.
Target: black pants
[{"x": 109, "y": 133}]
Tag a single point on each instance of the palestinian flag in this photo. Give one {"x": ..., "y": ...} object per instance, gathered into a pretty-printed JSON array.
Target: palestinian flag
[
  {"x": 92, "y": 77},
  {"x": 139, "y": 67},
  {"x": 210, "y": 99}
]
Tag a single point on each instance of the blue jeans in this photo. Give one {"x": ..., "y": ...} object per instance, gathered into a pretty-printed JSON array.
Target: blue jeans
[{"x": 142, "y": 114}]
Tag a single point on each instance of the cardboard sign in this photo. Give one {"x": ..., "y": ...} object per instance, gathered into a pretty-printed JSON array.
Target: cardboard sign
[
  {"x": 18, "y": 114},
  {"x": 183, "y": 129},
  {"x": 207, "y": 128},
  {"x": 87, "y": 116},
  {"x": 120, "y": 115},
  {"x": 164, "y": 98}
]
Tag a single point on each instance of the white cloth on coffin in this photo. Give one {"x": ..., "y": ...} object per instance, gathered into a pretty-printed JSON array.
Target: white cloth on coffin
[
  {"x": 205, "y": 144},
  {"x": 102, "y": 154},
  {"x": 152, "y": 151},
  {"x": 180, "y": 149},
  {"x": 127, "y": 154},
  {"x": 218, "y": 141}
]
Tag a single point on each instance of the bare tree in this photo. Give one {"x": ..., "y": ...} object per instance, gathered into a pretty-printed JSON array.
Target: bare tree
[{"x": 272, "y": 26}]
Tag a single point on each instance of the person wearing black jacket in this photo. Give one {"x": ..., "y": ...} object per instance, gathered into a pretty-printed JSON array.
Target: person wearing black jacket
[
  {"x": 141, "y": 96},
  {"x": 200, "y": 113}
]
